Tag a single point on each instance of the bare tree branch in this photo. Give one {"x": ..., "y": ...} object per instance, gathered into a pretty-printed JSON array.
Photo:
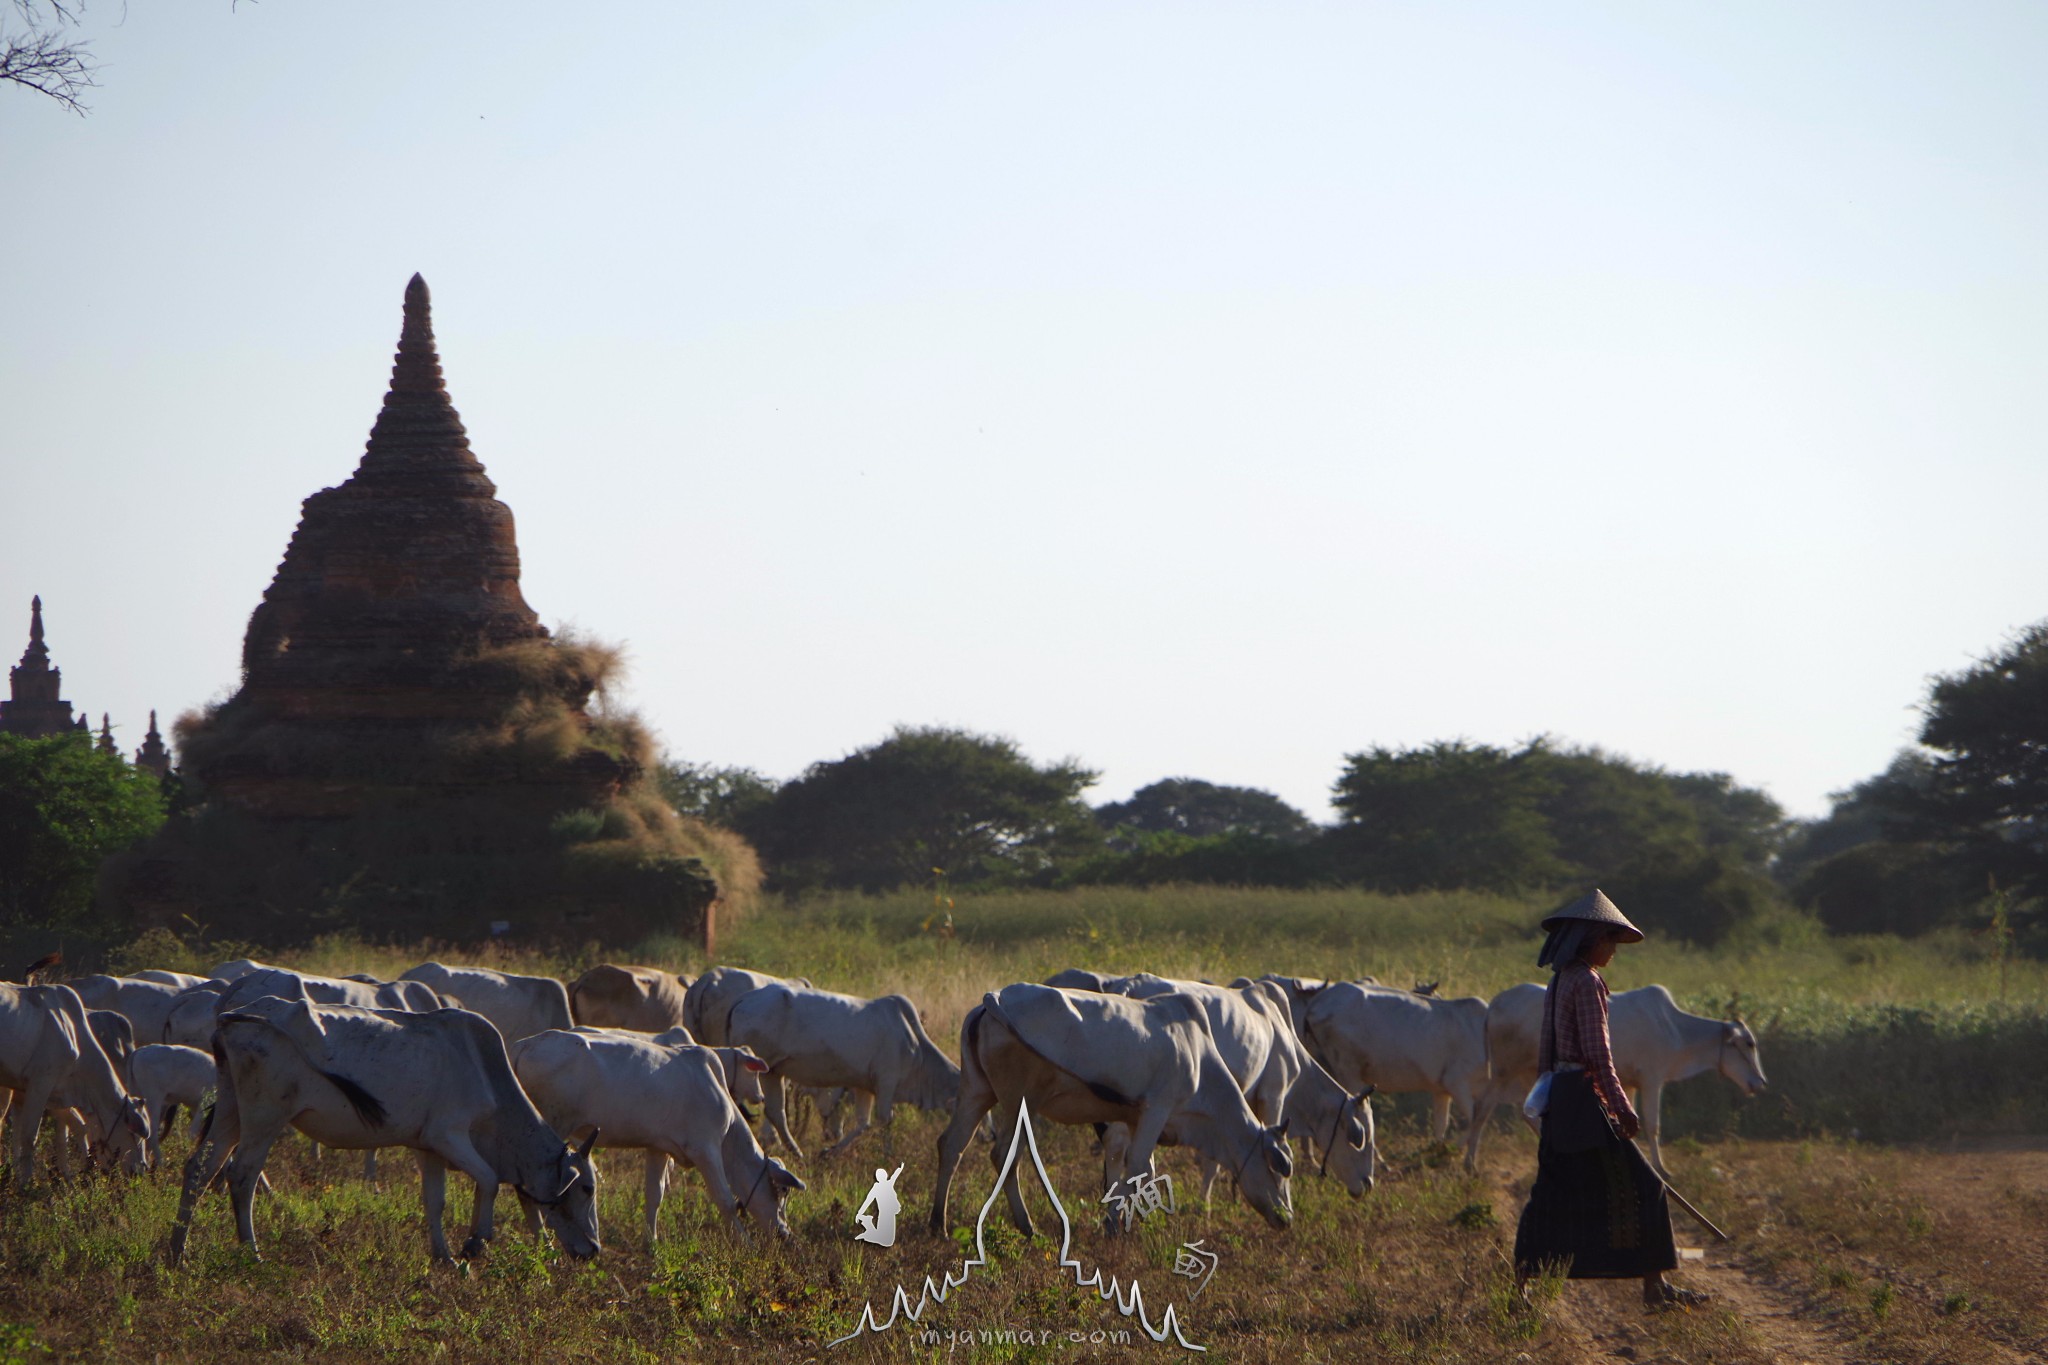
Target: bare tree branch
[{"x": 41, "y": 59}]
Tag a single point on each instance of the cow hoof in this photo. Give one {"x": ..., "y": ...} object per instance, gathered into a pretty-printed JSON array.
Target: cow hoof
[{"x": 473, "y": 1248}]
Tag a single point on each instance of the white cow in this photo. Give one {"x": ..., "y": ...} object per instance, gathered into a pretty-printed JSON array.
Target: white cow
[
  {"x": 49, "y": 1057},
  {"x": 671, "y": 1099},
  {"x": 146, "y": 1003},
  {"x": 167, "y": 1076},
  {"x": 644, "y": 999},
  {"x": 1397, "y": 1041},
  {"x": 1254, "y": 1034},
  {"x": 518, "y": 1005},
  {"x": 821, "y": 1038},
  {"x": 1080, "y": 1057},
  {"x": 438, "y": 1083},
  {"x": 707, "y": 1004},
  {"x": 190, "y": 1020},
  {"x": 1655, "y": 1043}
]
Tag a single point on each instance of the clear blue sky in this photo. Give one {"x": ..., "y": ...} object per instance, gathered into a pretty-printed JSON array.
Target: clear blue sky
[{"x": 1193, "y": 389}]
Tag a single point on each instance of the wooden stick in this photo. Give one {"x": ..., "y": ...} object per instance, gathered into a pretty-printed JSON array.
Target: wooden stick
[{"x": 1682, "y": 1201}]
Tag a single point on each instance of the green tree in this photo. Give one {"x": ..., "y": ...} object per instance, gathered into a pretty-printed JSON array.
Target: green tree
[
  {"x": 1987, "y": 793},
  {"x": 971, "y": 806},
  {"x": 1449, "y": 815},
  {"x": 1190, "y": 806},
  {"x": 64, "y": 809},
  {"x": 718, "y": 796}
]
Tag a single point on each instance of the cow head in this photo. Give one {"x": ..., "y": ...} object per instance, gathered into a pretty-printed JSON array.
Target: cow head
[
  {"x": 1739, "y": 1061},
  {"x": 572, "y": 1210},
  {"x": 770, "y": 1189},
  {"x": 1353, "y": 1154},
  {"x": 1263, "y": 1174},
  {"x": 126, "y": 1144}
]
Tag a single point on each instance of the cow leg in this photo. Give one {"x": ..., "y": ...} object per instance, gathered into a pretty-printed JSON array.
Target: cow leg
[
  {"x": 778, "y": 1121},
  {"x": 655, "y": 1185},
  {"x": 242, "y": 1174},
  {"x": 1482, "y": 1114},
  {"x": 1116, "y": 1145},
  {"x": 215, "y": 1145},
  {"x": 457, "y": 1150},
  {"x": 434, "y": 1197},
  {"x": 370, "y": 1167},
  {"x": 977, "y": 1097},
  {"x": 865, "y": 1119},
  {"x": 1013, "y": 1185},
  {"x": 1439, "y": 1115},
  {"x": 1138, "y": 1161},
  {"x": 28, "y": 1121},
  {"x": 1649, "y": 1106},
  {"x": 1210, "y": 1170}
]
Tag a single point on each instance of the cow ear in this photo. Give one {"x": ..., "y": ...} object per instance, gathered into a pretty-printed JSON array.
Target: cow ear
[
  {"x": 781, "y": 1177},
  {"x": 753, "y": 1064}
]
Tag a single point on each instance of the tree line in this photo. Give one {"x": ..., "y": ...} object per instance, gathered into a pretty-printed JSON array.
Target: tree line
[{"x": 1953, "y": 834}]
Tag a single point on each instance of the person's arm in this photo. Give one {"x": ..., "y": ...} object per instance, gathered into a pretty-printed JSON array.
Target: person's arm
[{"x": 1596, "y": 1047}]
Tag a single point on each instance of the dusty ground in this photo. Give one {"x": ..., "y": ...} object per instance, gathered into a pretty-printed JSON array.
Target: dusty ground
[{"x": 1842, "y": 1256}]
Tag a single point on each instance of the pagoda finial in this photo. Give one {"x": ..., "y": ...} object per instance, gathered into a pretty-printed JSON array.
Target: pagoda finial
[
  {"x": 417, "y": 368},
  {"x": 37, "y": 656},
  {"x": 106, "y": 740}
]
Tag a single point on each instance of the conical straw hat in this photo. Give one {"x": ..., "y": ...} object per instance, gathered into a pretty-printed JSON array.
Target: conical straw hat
[{"x": 1595, "y": 906}]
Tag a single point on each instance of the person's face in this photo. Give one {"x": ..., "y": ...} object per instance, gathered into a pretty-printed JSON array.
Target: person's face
[{"x": 1601, "y": 951}]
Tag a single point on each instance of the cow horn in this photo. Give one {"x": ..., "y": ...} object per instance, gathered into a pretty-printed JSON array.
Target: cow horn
[
  {"x": 588, "y": 1143},
  {"x": 1366, "y": 1093}
]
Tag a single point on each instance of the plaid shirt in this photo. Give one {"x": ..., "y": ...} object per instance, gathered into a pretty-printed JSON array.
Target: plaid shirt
[{"x": 1580, "y": 1037}]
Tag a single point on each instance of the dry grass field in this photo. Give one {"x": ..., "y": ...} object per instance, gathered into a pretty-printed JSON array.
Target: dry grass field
[{"x": 1843, "y": 1250}]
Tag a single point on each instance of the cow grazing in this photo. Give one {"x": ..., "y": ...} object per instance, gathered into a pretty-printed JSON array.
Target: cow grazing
[
  {"x": 673, "y": 1100},
  {"x": 1397, "y": 1041},
  {"x": 438, "y": 1083},
  {"x": 1254, "y": 1034},
  {"x": 518, "y": 1005},
  {"x": 166, "y": 1077},
  {"x": 824, "y": 1039},
  {"x": 644, "y": 999},
  {"x": 1655, "y": 1043},
  {"x": 1080, "y": 1057},
  {"x": 49, "y": 1057}
]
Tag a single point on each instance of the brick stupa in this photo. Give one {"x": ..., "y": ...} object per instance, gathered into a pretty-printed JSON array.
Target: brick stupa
[
  {"x": 410, "y": 752},
  {"x": 34, "y": 707}
]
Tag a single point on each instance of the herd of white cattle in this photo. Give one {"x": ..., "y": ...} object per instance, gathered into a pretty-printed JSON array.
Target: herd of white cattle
[{"x": 514, "y": 1079}]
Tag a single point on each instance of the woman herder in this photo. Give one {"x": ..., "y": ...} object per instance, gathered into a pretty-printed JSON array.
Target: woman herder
[{"x": 1597, "y": 1207}]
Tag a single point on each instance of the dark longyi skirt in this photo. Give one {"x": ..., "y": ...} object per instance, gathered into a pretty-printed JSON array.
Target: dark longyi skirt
[{"x": 1602, "y": 1209}]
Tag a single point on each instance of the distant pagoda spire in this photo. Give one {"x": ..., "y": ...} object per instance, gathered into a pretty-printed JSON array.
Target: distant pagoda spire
[
  {"x": 153, "y": 755},
  {"x": 418, "y": 436},
  {"x": 106, "y": 744},
  {"x": 34, "y": 706}
]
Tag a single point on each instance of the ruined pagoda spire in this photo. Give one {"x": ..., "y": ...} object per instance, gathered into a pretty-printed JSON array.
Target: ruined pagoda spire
[
  {"x": 34, "y": 706},
  {"x": 37, "y": 652},
  {"x": 418, "y": 438},
  {"x": 106, "y": 743},
  {"x": 153, "y": 755}
]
